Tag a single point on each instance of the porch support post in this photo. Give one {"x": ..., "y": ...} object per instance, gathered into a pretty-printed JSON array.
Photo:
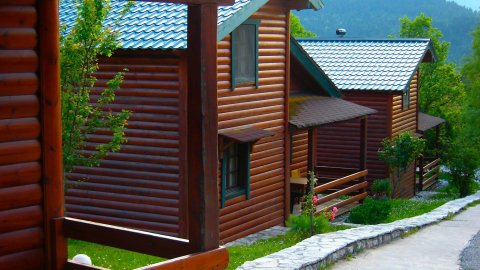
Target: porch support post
[
  {"x": 311, "y": 150},
  {"x": 202, "y": 157},
  {"x": 363, "y": 144},
  {"x": 363, "y": 149},
  {"x": 437, "y": 139}
]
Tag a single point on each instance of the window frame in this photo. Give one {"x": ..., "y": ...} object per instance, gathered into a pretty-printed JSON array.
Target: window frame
[
  {"x": 243, "y": 170},
  {"x": 406, "y": 100},
  {"x": 233, "y": 37}
]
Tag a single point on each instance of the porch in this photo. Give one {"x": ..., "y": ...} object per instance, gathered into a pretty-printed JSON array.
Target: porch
[
  {"x": 338, "y": 187},
  {"x": 428, "y": 165}
]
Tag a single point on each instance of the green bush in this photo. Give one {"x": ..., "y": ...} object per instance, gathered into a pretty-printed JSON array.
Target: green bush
[
  {"x": 301, "y": 224},
  {"x": 381, "y": 188},
  {"x": 370, "y": 212}
]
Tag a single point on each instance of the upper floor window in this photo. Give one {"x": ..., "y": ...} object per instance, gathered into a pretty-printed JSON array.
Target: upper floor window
[
  {"x": 245, "y": 54},
  {"x": 406, "y": 100}
]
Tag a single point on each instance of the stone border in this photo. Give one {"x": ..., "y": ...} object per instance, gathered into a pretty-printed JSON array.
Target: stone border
[{"x": 322, "y": 249}]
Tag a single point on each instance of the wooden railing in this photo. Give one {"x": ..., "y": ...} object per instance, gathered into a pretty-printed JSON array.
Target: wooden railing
[
  {"x": 182, "y": 255},
  {"x": 354, "y": 185},
  {"x": 428, "y": 172}
]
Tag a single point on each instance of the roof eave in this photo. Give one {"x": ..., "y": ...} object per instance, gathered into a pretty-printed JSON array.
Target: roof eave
[
  {"x": 226, "y": 27},
  {"x": 313, "y": 69}
]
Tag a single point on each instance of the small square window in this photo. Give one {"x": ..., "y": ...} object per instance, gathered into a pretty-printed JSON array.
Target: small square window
[
  {"x": 236, "y": 171},
  {"x": 245, "y": 54},
  {"x": 406, "y": 100}
]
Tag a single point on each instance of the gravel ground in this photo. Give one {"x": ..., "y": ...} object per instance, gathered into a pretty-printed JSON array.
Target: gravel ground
[{"x": 470, "y": 256}]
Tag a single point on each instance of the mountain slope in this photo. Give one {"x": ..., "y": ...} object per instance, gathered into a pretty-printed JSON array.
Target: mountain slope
[{"x": 380, "y": 18}]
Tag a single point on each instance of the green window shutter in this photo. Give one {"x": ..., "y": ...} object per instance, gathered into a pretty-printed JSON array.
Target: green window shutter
[{"x": 247, "y": 176}]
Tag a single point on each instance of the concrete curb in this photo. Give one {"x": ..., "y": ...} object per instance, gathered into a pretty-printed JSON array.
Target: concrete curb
[{"x": 323, "y": 249}]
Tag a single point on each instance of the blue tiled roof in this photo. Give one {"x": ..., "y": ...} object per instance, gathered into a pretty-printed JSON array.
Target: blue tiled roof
[
  {"x": 150, "y": 25},
  {"x": 387, "y": 64}
]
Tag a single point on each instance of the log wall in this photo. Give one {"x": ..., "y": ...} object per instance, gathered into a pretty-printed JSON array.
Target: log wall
[
  {"x": 141, "y": 185},
  {"x": 30, "y": 140},
  {"x": 265, "y": 108},
  {"x": 339, "y": 144},
  {"x": 406, "y": 120},
  {"x": 299, "y": 154}
]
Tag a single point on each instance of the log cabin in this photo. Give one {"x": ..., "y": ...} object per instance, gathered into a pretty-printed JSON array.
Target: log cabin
[
  {"x": 33, "y": 229},
  {"x": 383, "y": 75},
  {"x": 145, "y": 186}
]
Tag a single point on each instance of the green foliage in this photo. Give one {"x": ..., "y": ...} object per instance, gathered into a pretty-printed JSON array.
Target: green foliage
[
  {"x": 301, "y": 224},
  {"x": 370, "y": 212},
  {"x": 80, "y": 47},
  {"x": 404, "y": 208},
  {"x": 401, "y": 150},
  {"x": 297, "y": 29},
  {"x": 382, "y": 187},
  {"x": 441, "y": 90}
]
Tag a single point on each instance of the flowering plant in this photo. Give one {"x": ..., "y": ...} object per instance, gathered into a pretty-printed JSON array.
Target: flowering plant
[{"x": 333, "y": 213}]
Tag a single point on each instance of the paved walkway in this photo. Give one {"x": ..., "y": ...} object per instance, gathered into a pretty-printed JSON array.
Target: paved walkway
[{"x": 435, "y": 247}]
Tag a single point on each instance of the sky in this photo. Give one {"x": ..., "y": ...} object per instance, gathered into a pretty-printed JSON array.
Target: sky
[{"x": 473, "y": 4}]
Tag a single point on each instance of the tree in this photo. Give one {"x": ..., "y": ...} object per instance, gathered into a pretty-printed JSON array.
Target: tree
[
  {"x": 441, "y": 90},
  {"x": 85, "y": 111},
  {"x": 297, "y": 29},
  {"x": 399, "y": 152}
]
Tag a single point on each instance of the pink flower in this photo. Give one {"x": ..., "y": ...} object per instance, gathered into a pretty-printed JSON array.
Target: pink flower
[
  {"x": 332, "y": 216},
  {"x": 314, "y": 200},
  {"x": 334, "y": 210}
]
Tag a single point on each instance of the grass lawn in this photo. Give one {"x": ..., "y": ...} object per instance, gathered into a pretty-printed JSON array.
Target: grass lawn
[
  {"x": 108, "y": 257},
  {"x": 403, "y": 208}
]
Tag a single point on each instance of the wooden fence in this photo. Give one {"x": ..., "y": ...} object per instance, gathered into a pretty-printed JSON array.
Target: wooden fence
[
  {"x": 353, "y": 185},
  {"x": 428, "y": 171}
]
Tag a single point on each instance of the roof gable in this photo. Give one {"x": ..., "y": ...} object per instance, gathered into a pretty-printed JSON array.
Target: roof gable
[
  {"x": 355, "y": 64},
  {"x": 154, "y": 25}
]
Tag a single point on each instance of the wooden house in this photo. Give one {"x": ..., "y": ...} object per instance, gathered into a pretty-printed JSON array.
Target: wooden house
[
  {"x": 33, "y": 229},
  {"x": 383, "y": 75},
  {"x": 145, "y": 185}
]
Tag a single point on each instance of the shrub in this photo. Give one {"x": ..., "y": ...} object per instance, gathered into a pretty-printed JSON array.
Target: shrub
[
  {"x": 301, "y": 223},
  {"x": 370, "y": 212},
  {"x": 381, "y": 188}
]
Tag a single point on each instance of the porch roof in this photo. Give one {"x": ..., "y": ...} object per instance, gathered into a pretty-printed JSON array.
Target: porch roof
[
  {"x": 309, "y": 111},
  {"x": 246, "y": 134},
  {"x": 426, "y": 122}
]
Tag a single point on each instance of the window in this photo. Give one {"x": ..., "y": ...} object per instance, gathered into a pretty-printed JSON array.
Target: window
[
  {"x": 236, "y": 171},
  {"x": 245, "y": 54},
  {"x": 406, "y": 100}
]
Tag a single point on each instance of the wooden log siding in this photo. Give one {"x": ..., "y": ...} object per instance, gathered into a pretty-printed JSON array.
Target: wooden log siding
[
  {"x": 406, "y": 120},
  {"x": 339, "y": 144},
  {"x": 21, "y": 213},
  {"x": 24, "y": 208},
  {"x": 265, "y": 108},
  {"x": 140, "y": 186},
  {"x": 300, "y": 152}
]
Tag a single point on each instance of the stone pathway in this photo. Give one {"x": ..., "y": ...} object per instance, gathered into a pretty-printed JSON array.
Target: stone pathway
[
  {"x": 252, "y": 238},
  {"x": 435, "y": 247},
  {"x": 323, "y": 249}
]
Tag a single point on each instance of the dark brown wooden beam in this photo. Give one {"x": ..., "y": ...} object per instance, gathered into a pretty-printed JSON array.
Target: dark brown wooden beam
[
  {"x": 50, "y": 102},
  {"x": 311, "y": 150},
  {"x": 129, "y": 239},
  {"x": 202, "y": 157}
]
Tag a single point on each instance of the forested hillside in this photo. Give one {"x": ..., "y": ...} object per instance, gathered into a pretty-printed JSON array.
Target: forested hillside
[{"x": 380, "y": 18}]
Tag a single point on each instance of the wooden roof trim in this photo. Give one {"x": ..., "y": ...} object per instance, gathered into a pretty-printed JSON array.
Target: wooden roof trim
[
  {"x": 238, "y": 18},
  {"x": 313, "y": 69}
]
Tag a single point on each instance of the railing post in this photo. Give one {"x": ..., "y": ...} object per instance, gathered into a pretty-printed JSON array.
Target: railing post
[{"x": 420, "y": 175}]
